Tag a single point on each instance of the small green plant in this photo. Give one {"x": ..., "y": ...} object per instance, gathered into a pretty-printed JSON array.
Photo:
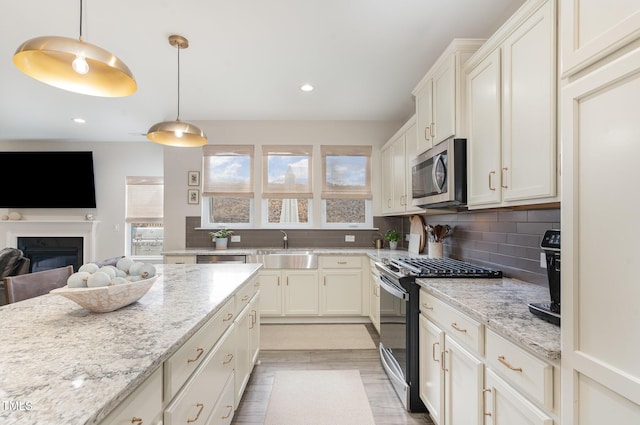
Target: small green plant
[
  {"x": 392, "y": 235},
  {"x": 222, "y": 233}
]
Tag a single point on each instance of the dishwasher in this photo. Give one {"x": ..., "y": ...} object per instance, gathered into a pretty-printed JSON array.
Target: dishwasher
[{"x": 224, "y": 259}]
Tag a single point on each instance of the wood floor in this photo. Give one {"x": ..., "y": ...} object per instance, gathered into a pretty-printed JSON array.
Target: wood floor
[{"x": 385, "y": 405}]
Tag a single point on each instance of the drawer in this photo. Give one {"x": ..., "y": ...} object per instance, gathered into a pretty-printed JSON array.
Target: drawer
[
  {"x": 184, "y": 362},
  {"x": 179, "y": 259},
  {"x": 244, "y": 295},
  {"x": 340, "y": 262},
  {"x": 223, "y": 411},
  {"x": 469, "y": 332},
  {"x": 523, "y": 370},
  {"x": 144, "y": 403},
  {"x": 196, "y": 400}
]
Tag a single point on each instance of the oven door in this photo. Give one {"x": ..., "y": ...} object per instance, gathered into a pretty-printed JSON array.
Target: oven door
[{"x": 393, "y": 334}]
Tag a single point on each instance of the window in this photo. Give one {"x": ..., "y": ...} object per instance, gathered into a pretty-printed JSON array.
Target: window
[
  {"x": 286, "y": 185},
  {"x": 346, "y": 186},
  {"x": 227, "y": 186},
  {"x": 144, "y": 214}
]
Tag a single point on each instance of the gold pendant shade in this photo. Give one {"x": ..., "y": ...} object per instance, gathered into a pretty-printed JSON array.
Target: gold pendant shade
[{"x": 177, "y": 133}]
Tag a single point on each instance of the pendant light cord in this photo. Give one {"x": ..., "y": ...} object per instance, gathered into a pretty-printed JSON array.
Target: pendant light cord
[
  {"x": 178, "y": 118},
  {"x": 81, "y": 20}
]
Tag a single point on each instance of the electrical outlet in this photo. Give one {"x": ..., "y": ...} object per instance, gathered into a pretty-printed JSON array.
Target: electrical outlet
[
  {"x": 406, "y": 237},
  {"x": 235, "y": 238},
  {"x": 349, "y": 238},
  {"x": 543, "y": 260}
]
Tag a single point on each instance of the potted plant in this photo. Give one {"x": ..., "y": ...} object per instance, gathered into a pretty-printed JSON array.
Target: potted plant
[
  {"x": 393, "y": 237},
  {"x": 221, "y": 238}
]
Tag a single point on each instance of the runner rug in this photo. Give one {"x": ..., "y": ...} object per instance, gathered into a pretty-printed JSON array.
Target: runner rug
[
  {"x": 315, "y": 337},
  {"x": 318, "y": 397}
]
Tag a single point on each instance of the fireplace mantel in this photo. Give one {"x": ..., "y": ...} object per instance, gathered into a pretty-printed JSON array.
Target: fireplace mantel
[{"x": 51, "y": 228}]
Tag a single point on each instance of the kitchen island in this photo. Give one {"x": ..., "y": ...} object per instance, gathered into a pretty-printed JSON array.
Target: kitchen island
[{"x": 61, "y": 364}]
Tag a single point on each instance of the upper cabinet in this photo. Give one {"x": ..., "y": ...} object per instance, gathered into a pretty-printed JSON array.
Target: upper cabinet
[
  {"x": 511, "y": 100},
  {"x": 592, "y": 29},
  {"x": 440, "y": 96},
  {"x": 397, "y": 154}
]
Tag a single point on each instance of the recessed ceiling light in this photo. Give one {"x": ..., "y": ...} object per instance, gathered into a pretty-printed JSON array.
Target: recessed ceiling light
[
  {"x": 79, "y": 120},
  {"x": 306, "y": 87}
]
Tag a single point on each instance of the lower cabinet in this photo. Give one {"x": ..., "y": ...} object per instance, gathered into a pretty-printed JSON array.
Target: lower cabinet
[
  {"x": 470, "y": 375},
  {"x": 341, "y": 286},
  {"x": 374, "y": 296},
  {"x": 202, "y": 382}
]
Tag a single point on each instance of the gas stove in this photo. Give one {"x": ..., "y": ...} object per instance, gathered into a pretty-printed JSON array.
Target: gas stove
[{"x": 423, "y": 268}]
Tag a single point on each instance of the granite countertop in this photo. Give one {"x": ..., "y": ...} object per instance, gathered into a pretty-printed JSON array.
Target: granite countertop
[
  {"x": 61, "y": 364},
  {"x": 501, "y": 304},
  {"x": 371, "y": 252}
]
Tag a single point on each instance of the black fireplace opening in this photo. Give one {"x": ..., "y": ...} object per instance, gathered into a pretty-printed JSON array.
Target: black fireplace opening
[{"x": 54, "y": 252}]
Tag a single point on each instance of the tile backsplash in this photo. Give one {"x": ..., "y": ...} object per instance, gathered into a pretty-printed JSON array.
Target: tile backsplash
[{"x": 508, "y": 240}]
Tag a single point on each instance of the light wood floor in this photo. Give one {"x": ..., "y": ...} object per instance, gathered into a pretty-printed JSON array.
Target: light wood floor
[{"x": 385, "y": 405}]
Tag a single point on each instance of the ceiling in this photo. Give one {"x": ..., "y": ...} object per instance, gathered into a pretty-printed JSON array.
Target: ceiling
[{"x": 246, "y": 60}]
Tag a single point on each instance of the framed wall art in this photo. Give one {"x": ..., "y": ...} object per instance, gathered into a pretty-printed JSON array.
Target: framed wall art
[
  {"x": 194, "y": 178},
  {"x": 193, "y": 196}
]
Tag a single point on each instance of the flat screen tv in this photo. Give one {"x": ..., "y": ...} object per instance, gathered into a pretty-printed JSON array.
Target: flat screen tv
[{"x": 47, "y": 180}]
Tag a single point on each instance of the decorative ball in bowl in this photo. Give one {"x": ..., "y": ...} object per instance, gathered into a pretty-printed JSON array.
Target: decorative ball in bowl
[{"x": 104, "y": 299}]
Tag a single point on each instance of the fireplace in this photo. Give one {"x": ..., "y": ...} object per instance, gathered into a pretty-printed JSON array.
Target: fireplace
[{"x": 49, "y": 252}]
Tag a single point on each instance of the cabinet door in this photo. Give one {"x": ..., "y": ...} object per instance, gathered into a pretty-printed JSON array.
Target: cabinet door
[
  {"x": 243, "y": 354},
  {"x": 529, "y": 105},
  {"x": 505, "y": 406},
  {"x": 600, "y": 137},
  {"x": 399, "y": 170},
  {"x": 254, "y": 329},
  {"x": 424, "y": 118},
  {"x": 463, "y": 385},
  {"x": 301, "y": 292},
  {"x": 341, "y": 292},
  {"x": 444, "y": 101},
  {"x": 374, "y": 303},
  {"x": 484, "y": 144},
  {"x": 270, "y": 293},
  {"x": 592, "y": 29},
  {"x": 431, "y": 342},
  {"x": 411, "y": 151},
  {"x": 387, "y": 180}
]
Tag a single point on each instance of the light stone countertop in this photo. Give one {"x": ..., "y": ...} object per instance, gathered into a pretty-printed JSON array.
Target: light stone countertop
[
  {"x": 61, "y": 364},
  {"x": 501, "y": 304}
]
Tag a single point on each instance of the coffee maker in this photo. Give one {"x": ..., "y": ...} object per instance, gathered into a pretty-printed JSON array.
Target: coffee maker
[{"x": 550, "y": 311}]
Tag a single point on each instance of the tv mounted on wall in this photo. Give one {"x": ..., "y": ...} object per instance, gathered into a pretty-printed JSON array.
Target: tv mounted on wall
[{"x": 60, "y": 179}]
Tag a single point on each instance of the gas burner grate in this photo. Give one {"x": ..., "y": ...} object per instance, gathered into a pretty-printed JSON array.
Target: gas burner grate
[{"x": 446, "y": 267}]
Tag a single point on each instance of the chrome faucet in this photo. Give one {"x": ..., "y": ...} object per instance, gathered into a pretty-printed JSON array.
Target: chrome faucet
[{"x": 285, "y": 240}]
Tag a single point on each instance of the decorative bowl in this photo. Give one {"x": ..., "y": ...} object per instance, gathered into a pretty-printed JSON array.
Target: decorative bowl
[{"x": 104, "y": 299}]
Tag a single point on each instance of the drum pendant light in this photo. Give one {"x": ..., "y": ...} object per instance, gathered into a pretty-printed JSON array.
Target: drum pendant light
[
  {"x": 177, "y": 133},
  {"x": 75, "y": 65}
]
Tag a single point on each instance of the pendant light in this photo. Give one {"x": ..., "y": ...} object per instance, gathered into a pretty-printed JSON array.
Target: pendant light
[
  {"x": 75, "y": 65},
  {"x": 177, "y": 133}
]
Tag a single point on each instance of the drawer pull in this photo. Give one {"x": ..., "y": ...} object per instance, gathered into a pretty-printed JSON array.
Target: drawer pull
[
  {"x": 502, "y": 360},
  {"x": 136, "y": 420},
  {"x": 342, "y": 262},
  {"x": 229, "y": 358},
  {"x": 257, "y": 284},
  {"x": 201, "y": 406},
  {"x": 228, "y": 412},
  {"x": 443, "y": 358},
  {"x": 426, "y": 307},
  {"x": 484, "y": 406},
  {"x": 433, "y": 352},
  {"x": 455, "y": 326},
  {"x": 200, "y": 351},
  {"x": 228, "y": 317},
  {"x": 246, "y": 297}
]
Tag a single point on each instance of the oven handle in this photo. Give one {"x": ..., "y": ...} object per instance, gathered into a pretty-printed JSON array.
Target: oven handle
[{"x": 392, "y": 288}]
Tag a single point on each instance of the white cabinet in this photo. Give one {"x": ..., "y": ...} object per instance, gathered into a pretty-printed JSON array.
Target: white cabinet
[
  {"x": 247, "y": 336},
  {"x": 374, "y": 296},
  {"x": 145, "y": 403},
  {"x": 592, "y": 29},
  {"x": 440, "y": 96},
  {"x": 600, "y": 347},
  {"x": 271, "y": 292},
  {"x": 180, "y": 259},
  {"x": 431, "y": 340},
  {"x": 397, "y": 155},
  {"x": 341, "y": 285},
  {"x": 300, "y": 292},
  {"x": 511, "y": 99}
]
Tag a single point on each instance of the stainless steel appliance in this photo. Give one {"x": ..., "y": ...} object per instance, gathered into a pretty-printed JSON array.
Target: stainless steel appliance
[
  {"x": 399, "y": 349},
  {"x": 550, "y": 311},
  {"x": 439, "y": 175},
  {"x": 225, "y": 259}
]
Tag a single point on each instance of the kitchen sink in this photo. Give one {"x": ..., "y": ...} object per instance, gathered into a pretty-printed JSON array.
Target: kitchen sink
[{"x": 284, "y": 259}]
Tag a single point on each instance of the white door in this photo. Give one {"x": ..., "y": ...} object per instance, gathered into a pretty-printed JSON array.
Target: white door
[
  {"x": 341, "y": 292},
  {"x": 444, "y": 101},
  {"x": 424, "y": 118},
  {"x": 301, "y": 292},
  {"x": 271, "y": 293},
  {"x": 431, "y": 342},
  {"x": 503, "y": 405},
  {"x": 464, "y": 378}
]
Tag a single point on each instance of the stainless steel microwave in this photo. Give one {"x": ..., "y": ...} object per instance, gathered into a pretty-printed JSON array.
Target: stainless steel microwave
[{"x": 439, "y": 175}]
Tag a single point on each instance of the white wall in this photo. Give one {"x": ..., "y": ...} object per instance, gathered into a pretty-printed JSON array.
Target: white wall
[{"x": 112, "y": 163}]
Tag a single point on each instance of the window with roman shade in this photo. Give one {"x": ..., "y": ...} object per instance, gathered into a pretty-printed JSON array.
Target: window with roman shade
[
  {"x": 286, "y": 184},
  {"x": 227, "y": 185},
  {"x": 346, "y": 186},
  {"x": 144, "y": 204}
]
